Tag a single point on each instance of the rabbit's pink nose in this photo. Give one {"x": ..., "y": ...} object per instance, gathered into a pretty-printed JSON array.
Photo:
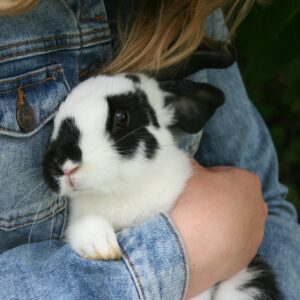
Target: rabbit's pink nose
[{"x": 70, "y": 171}]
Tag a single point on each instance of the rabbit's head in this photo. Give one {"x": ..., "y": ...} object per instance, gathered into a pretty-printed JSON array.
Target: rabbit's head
[{"x": 113, "y": 127}]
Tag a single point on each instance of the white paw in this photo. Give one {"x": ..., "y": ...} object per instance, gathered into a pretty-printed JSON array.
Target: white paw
[{"x": 93, "y": 237}]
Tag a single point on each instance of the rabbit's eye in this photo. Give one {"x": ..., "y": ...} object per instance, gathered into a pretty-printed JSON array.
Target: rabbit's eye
[{"x": 121, "y": 119}]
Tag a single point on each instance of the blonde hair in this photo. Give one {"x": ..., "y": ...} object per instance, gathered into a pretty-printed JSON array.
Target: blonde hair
[
  {"x": 163, "y": 33},
  {"x": 16, "y": 7},
  {"x": 160, "y": 33}
]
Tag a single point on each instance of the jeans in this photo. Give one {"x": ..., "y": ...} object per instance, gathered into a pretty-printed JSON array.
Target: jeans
[{"x": 43, "y": 55}]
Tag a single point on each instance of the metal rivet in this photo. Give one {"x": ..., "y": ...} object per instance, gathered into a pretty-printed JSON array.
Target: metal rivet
[{"x": 25, "y": 114}]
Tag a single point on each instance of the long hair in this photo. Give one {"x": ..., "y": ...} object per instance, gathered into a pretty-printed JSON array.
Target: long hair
[
  {"x": 16, "y": 7},
  {"x": 165, "y": 32},
  {"x": 157, "y": 33}
]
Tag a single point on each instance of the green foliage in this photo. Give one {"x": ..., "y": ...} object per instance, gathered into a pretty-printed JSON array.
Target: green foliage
[{"x": 269, "y": 57}]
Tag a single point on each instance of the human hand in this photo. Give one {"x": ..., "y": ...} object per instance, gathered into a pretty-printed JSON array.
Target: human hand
[{"x": 220, "y": 216}]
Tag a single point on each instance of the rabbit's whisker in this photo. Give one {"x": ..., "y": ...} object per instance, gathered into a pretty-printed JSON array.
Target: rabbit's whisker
[{"x": 34, "y": 220}]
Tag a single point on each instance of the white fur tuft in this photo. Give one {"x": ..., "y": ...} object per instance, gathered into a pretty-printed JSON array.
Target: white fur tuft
[{"x": 93, "y": 237}]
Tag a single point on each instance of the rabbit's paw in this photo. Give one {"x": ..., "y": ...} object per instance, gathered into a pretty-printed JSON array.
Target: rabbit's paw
[{"x": 93, "y": 237}]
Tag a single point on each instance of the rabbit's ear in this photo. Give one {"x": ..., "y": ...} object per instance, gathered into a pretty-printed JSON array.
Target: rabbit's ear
[{"x": 194, "y": 103}]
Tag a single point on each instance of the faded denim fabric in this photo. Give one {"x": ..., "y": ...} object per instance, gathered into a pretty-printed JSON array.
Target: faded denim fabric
[
  {"x": 46, "y": 53},
  {"x": 43, "y": 54},
  {"x": 153, "y": 266}
]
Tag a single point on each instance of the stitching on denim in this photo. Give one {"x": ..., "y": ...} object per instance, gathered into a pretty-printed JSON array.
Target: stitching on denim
[
  {"x": 33, "y": 74},
  {"x": 80, "y": 44},
  {"x": 138, "y": 279},
  {"x": 87, "y": 20},
  {"x": 96, "y": 19},
  {"x": 124, "y": 254},
  {"x": 56, "y": 206},
  {"x": 182, "y": 253},
  {"x": 53, "y": 204},
  {"x": 37, "y": 221},
  {"x": 62, "y": 36},
  {"x": 28, "y": 85}
]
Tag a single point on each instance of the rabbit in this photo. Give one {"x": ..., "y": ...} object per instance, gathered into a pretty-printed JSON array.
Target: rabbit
[{"x": 113, "y": 153}]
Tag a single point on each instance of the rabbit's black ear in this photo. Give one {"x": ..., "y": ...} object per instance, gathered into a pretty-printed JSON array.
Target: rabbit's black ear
[{"x": 194, "y": 102}]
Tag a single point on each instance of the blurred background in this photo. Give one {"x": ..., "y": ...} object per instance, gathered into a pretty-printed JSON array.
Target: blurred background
[{"x": 268, "y": 44}]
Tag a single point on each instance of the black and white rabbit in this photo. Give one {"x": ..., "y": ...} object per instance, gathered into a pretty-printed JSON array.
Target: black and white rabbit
[{"x": 113, "y": 153}]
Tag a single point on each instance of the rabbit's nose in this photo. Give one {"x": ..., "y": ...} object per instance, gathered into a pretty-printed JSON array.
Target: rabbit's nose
[{"x": 70, "y": 171}]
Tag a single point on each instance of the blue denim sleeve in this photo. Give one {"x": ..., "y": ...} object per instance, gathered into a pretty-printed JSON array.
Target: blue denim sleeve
[
  {"x": 237, "y": 136},
  {"x": 153, "y": 266}
]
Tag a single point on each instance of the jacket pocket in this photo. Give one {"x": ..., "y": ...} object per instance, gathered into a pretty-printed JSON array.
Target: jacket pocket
[
  {"x": 28, "y": 103},
  {"x": 30, "y": 100}
]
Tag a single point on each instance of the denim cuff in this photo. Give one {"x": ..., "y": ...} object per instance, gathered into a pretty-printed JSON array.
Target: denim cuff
[{"x": 156, "y": 259}]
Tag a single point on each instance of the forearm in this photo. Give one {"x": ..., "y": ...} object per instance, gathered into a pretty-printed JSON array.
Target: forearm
[{"x": 153, "y": 266}]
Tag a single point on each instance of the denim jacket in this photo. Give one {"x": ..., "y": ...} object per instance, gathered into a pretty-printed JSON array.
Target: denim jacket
[{"x": 43, "y": 55}]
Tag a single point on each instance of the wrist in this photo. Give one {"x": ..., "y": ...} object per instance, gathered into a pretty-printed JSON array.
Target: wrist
[{"x": 200, "y": 257}]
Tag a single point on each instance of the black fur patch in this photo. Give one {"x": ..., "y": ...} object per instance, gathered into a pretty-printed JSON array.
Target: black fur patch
[
  {"x": 152, "y": 116},
  {"x": 265, "y": 282},
  {"x": 133, "y": 77},
  {"x": 64, "y": 147},
  {"x": 127, "y": 140}
]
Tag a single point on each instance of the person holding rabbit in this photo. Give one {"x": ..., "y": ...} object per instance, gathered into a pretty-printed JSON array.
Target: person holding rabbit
[{"x": 215, "y": 229}]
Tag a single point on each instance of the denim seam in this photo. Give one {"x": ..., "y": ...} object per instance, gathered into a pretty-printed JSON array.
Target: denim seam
[
  {"x": 65, "y": 47},
  {"x": 134, "y": 274},
  {"x": 51, "y": 78},
  {"x": 33, "y": 74},
  {"x": 62, "y": 36},
  {"x": 58, "y": 208},
  {"x": 32, "y": 214},
  {"x": 182, "y": 251}
]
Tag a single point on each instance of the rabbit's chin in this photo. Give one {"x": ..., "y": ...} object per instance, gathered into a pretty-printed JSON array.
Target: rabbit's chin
[{"x": 99, "y": 190}]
